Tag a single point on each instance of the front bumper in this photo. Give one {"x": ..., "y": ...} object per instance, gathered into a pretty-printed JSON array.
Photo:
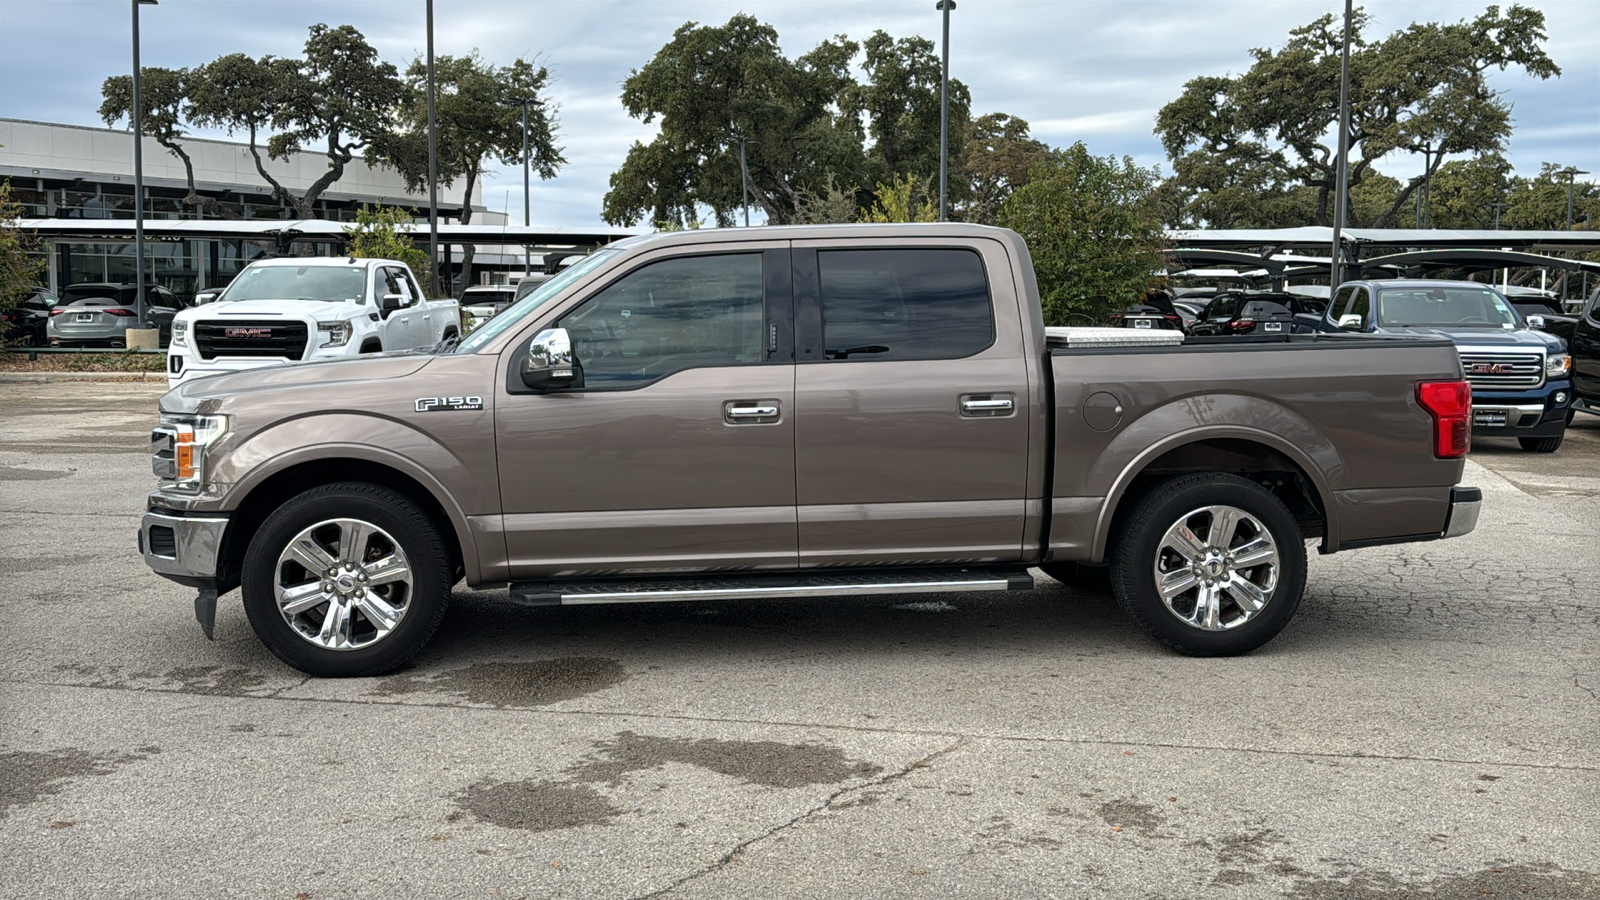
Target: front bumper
[
  {"x": 1464, "y": 505},
  {"x": 1524, "y": 414},
  {"x": 183, "y": 548}
]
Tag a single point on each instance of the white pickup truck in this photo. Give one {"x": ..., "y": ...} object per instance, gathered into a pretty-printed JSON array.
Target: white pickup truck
[{"x": 303, "y": 308}]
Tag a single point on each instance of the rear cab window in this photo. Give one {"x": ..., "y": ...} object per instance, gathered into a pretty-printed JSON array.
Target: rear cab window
[{"x": 904, "y": 304}]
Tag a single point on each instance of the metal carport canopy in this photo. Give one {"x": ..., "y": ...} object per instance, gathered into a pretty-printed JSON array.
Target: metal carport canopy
[
  {"x": 1318, "y": 237},
  {"x": 1478, "y": 260},
  {"x": 316, "y": 230}
]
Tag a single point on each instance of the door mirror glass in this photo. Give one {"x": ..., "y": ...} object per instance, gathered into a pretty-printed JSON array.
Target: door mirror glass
[
  {"x": 1351, "y": 322},
  {"x": 549, "y": 364}
]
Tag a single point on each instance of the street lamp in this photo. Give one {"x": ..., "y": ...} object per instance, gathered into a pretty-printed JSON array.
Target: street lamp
[
  {"x": 527, "y": 168},
  {"x": 138, "y": 173},
  {"x": 1425, "y": 198},
  {"x": 1497, "y": 206},
  {"x": 1572, "y": 172},
  {"x": 944, "y": 6},
  {"x": 433, "y": 174},
  {"x": 744, "y": 175},
  {"x": 1341, "y": 195}
]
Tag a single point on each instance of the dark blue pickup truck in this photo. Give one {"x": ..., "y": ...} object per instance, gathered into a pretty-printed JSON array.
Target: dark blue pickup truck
[{"x": 1521, "y": 378}]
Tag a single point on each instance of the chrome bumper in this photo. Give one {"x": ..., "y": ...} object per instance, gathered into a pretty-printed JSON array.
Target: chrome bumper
[
  {"x": 182, "y": 548},
  {"x": 1464, "y": 504}
]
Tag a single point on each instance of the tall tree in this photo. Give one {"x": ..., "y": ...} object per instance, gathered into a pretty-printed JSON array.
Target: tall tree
[
  {"x": 999, "y": 157},
  {"x": 478, "y": 117},
  {"x": 709, "y": 86},
  {"x": 1093, "y": 229},
  {"x": 1264, "y": 133},
  {"x": 339, "y": 97},
  {"x": 20, "y": 261},
  {"x": 1540, "y": 202},
  {"x": 900, "y": 103}
]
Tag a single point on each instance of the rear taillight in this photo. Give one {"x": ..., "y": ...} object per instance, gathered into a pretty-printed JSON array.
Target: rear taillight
[
  {"x": 1450, "y": 405},
  {"x": 1241, "y": 324},
  {"x": 118, "y": 312},
  {"x": 56, "y": 312}
]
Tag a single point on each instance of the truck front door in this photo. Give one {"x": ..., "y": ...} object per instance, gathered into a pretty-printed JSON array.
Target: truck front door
[
  {"x": 912, "y": 398},
  {"x": 678, "y": 450}
]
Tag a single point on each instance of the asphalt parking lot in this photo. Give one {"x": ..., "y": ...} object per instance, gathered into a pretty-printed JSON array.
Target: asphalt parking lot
[{"x": 1428, "y": 726}]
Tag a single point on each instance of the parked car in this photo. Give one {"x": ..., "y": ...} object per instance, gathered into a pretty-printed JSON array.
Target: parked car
[
  {"x": 530, "y": 283},
  {"x": 27, "y": 323},
  {"x": 485, "y": 301},
  {"x": 1585, "y": 349},
  {"x": 1240, "y": 312},
  {"x": 290, "y": 309},
  {"x": 1521, "y": 379},
  {"x": 1157, "y": 311},
  {"x": 100, "y": 314},
  {"x": 847, "y": 410},
  {"x": 1545, "y": 314}
]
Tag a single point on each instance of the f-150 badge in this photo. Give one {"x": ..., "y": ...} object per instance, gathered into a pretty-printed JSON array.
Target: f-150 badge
[{"x": 448, "y": 404}]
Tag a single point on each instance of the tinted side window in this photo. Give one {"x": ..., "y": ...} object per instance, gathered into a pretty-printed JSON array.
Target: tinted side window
[
  {"x": 677, "y": 314},
  {"x": 1341, "y": 302},
  {"x": 1361, "y": 305},
  {"x": 904, "y": 304},
  {"x": 1222, "y": 308}
]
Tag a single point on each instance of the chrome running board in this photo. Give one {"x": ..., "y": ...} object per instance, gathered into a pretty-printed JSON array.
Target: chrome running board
[{"x": 833, "y": 583}]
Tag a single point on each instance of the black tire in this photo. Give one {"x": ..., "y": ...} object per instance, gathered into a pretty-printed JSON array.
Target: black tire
[
  {"x": 1079, "y": 576},
  {"x": 1137, "y": 552},
  {"x": 1542, "y": 444},
  {"x": 413, "y": 533}
]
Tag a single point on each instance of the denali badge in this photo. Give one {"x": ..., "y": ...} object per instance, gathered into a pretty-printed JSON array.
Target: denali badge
[
  {"x": 247, "y": 332},
  {"x": 448, "y": 404}
]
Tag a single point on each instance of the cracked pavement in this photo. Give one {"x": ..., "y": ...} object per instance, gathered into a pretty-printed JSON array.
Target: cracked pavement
[{"x": 1428, "y": 726}]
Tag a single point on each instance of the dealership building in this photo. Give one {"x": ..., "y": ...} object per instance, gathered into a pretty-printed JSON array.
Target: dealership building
[{"x": 73, "y": 172}]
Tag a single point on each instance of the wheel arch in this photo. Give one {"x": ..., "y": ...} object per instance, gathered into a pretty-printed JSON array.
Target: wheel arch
[
  {"x": 266, "y": 491},
  {"x": 1239, "y": 450}
]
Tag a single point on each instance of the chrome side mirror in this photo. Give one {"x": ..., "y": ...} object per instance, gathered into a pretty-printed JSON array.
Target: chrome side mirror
[
  {"x": 1351, "y": 322},
  {"x": 1536, "y": 323},
  {"x": 388, "y": 303},
  {"x": 549, "y": 364}
]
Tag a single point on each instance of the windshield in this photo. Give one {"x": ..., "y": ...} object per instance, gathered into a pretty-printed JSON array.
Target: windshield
[
  {"x": 522, "y": 308},
  {"x": 340, "y": 284},
  {"x": 1450, "y": 307}
]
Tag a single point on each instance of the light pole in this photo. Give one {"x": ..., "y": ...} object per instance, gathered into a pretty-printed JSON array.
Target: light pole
[
  {"x": 1425, "y": 196},
  {"x": 1341, "y": 196},
  {"x": 1572, "y": 173},
  {"x": 1497, "y": 206},
  {"x": 433, "y": 174},
  {"x": 744, "y": 174},
  {"x": 944, "y": 6},
  {"x": 527, "y": 168},
  {"x": 138, "y": 174}
]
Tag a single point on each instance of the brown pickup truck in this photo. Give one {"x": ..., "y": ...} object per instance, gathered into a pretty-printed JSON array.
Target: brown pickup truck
[{"x": 798, "y": 411}]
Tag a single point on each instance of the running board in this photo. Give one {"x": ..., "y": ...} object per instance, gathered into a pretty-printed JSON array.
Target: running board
[{"x": 834, "y": 583}]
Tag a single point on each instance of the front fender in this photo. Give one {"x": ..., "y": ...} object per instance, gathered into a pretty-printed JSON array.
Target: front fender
[{"x": 447, "y": 476}]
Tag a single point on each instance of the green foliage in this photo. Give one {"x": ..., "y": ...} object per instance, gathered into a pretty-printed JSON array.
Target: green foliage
[
  {"x": 999, "y": 156},
  {"x": 1092, "y": 225},
  {"x": 384, "y": 232},
  {"x": 1541, "y": 202},
  {"x": 338, "y": 97},
  {"x": 805, "y": 121},
  {"x": 903, "y": 199},
  {"x": 20, "y": 267},
  {"x": 827, "y": 206},
  {"x": 1246, "y": 148}
]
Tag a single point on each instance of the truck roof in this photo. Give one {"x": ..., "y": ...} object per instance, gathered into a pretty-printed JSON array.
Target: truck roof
[{"x": 812, "y": 232}]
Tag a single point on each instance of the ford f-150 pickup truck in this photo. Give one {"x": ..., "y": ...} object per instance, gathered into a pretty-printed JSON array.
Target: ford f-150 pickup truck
[
  {"x": 1521, "y": 377},
  {"x": 798, "y": 411},
  {"x": 290, "y": 309}
]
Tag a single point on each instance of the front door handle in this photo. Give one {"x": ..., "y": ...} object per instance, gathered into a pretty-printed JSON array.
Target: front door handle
[
  {"x": 984, "y": 405},
  {"x": 751, "y": 412}
]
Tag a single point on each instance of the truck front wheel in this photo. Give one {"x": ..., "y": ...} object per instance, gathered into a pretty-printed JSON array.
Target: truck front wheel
[
  {"x": 1209, "y": 564},
  {"x": 346, "y": 579}
]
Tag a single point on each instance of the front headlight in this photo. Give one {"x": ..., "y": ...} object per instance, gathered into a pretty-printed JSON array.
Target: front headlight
[
  {"x": 1557, "y": 365},
  {"x": 178, "y": 449},
  {"x": 180, "y": 333},
  {"x": 338, "y": 333}
]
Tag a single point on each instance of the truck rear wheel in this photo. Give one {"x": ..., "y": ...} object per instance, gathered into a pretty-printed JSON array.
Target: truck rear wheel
[
  {"x": 346, "y": 580},
  {"x": 1209, "y": 564}
]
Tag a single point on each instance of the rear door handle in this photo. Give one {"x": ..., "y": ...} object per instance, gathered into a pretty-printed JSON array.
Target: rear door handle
[
  {"x": 987, "y": 405},
  {"x": 751, "y": 412}
]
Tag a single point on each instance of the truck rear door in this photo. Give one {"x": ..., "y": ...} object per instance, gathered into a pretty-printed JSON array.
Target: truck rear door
[{"x": 911, "y": 399}]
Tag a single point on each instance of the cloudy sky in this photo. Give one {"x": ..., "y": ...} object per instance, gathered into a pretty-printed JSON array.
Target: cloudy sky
[{"x": 1090, "y": 71}]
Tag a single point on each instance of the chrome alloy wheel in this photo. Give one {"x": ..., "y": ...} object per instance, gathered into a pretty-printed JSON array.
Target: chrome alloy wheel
[
  {"x": 343, "y": 584},
  {"x": 1216, "y": 568}
]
